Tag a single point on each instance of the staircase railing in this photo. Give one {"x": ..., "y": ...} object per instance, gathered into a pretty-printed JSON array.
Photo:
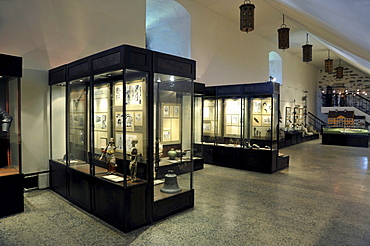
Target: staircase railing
[
  {"x": 347, "y": 100},
  {"x": 316, "y": 122}
]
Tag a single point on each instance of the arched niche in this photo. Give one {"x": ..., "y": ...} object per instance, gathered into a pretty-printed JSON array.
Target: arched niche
[
  {"x": 168, "y": 28},
  {"x": 276, "y": 67}
]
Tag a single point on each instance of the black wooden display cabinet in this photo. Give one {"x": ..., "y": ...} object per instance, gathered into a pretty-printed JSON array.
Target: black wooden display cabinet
[
  {"x": 241, "y": 127},
  {"x": 136, "y": 83},
  {"x": 11, "y": 177}
]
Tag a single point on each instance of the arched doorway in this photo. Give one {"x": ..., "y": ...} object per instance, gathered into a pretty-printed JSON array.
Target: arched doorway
[
  {"x": 276, "y": 67},
  {"x": 168, "y": 28}
]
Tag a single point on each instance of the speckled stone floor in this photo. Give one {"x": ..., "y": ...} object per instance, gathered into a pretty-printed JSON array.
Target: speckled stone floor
[{"x": 322, "y": 199}]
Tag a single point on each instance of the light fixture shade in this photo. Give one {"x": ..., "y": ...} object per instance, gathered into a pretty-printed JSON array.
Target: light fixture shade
[
  {"x": 328, "y": 65},
  {"x": 247, "y": 17},
  {"x": 339, "y": 72},
  {"x": 283, "y": 38},
  {"x": 307, "y": 52}
]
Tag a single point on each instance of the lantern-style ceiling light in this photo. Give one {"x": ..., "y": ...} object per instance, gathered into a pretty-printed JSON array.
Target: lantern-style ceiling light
[
  {"x": 247, "y": 16},
  {"x": 283, "y": 36},
  {"x": 307, "y": 51},
  {"x": 339, "y": 70},
  {"x": 329, "y": 64}
]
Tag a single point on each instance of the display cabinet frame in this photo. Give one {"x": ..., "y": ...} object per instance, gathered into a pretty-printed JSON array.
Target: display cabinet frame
[
  {"x": 245, "y": 135},
  {"x": 125, "y": 202},
  {"x": 11, "y": 176}
]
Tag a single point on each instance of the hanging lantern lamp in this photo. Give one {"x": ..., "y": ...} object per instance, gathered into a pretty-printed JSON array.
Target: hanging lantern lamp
[
  {"x": 283, "y": 32},
  {"x": 307, "y": 51},
  {"x": 339, "y": 71},
  {"x": 247, "y": 16},
  {"x": 329, "y": 64}
]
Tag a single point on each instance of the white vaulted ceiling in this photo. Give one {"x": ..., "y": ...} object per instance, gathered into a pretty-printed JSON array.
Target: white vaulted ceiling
[
  {"x": 339, "y": 25},
  {"x": 32, "y": 28}
]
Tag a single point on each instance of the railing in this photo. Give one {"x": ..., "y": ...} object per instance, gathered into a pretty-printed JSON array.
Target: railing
[
  {"x": 346, "y": 100},
  {"x": 316, "y": 122}
]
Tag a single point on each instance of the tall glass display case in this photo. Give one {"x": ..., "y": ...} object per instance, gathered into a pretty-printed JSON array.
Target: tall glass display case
[
  {"x": 125, "y": 110},
  {"x": 11, "y": 177},
  {"x": 240, "y": 127}
]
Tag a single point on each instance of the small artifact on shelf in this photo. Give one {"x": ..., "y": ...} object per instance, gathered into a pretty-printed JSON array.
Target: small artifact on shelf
[
  {"x": 255, "y": 119},
  {"x": 255, "y": 146},
  {"x": 6, "y": 120},
  {"x": 172, "y": 154},
  {"x": 180, "y": 153},
  {"x": 110, "y": 158},
  {"x": 170, "y": 183},
  {"x": 134, "y": 154}
]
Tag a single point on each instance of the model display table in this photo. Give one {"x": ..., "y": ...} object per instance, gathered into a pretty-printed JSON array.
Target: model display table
[{"x": 346, "y": 137}]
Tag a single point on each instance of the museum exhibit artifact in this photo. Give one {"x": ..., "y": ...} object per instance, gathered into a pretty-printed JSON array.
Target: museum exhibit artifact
[
  {"x": 11, "y": 177},
  {"x": 6, "y": 120},
  {"x": 114, "y": 117},
  {"x": 240, "y": 127},
  {"x": 346, "y": 136},
  {"x": 170, "y": 183},
  {"x": 110, "y": 159}
]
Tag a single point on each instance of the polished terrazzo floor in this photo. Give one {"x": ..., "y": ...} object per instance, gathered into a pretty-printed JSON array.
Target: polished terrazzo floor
[{"x": 322, "y": 199}]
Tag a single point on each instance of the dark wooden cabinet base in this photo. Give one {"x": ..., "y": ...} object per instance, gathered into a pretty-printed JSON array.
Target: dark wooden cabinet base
[
  {"x": 346, "y": 140},
  {"x": 264, "y": 161},
  {"x": 11, "y": 194}
]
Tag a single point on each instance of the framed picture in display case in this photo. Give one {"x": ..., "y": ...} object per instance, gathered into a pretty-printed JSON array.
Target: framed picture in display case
[
  {"x": 288, "y": 114},
  {"x": 207, "y": 127},
  {"x": 100, "y": 121},
  {"x": 257, "y": 120},
  {"x": 138, "y": 118},
  {"x": 118, "y": 120},
  {"x": 171, "y": 122},
  {"x": 266, "y": 106},
  {"x": 256, "y": 106},
  {"x": 118, "y": 94},
  {"x": 266, "y": 120},
  {"x": 134, "y": 98},
  {"x": 130, "y": 118}
]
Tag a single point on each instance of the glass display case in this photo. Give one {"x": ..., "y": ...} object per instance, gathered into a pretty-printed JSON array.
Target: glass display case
[
  {"x": 11, "y": 177},
  {"x": 58, "y": 129},
  {"x": 240, "y": 127},
  {"x": 346, "y": 136},
  {"x": 120, "y": 145},
  {"x": 126, "y": 111}
]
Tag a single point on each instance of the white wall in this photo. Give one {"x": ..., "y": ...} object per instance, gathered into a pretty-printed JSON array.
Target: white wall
[
  {"x": 225, "y": 55},
  {"x": 63, "y": 31},
  {"x": 34, "y": 121}
]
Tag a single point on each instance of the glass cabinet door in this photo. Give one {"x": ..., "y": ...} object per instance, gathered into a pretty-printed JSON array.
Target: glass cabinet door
[
  {"x": 58, "y": 94},
  {"x": 198, "y": 124},
  {"x": 10, "y": 161},
  {"x": 264, "y": 117},
  {"x": 173, "y": 133},
  {"x": 78, "y": 118},
  {"x": 120, "y": 131},
  {"x": 211, "y": 120},
  {"x": 233, "y": 119}
]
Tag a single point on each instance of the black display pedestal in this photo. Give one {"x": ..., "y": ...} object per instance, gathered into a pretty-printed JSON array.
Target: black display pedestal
[
  {"x": 257, "y": 160},
  {"x": 346, "y": 140},
  {"x": 11, "y": 192}
]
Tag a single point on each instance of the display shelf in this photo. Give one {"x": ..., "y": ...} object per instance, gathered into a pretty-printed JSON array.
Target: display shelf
[{"x": 8, "y": 170}]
